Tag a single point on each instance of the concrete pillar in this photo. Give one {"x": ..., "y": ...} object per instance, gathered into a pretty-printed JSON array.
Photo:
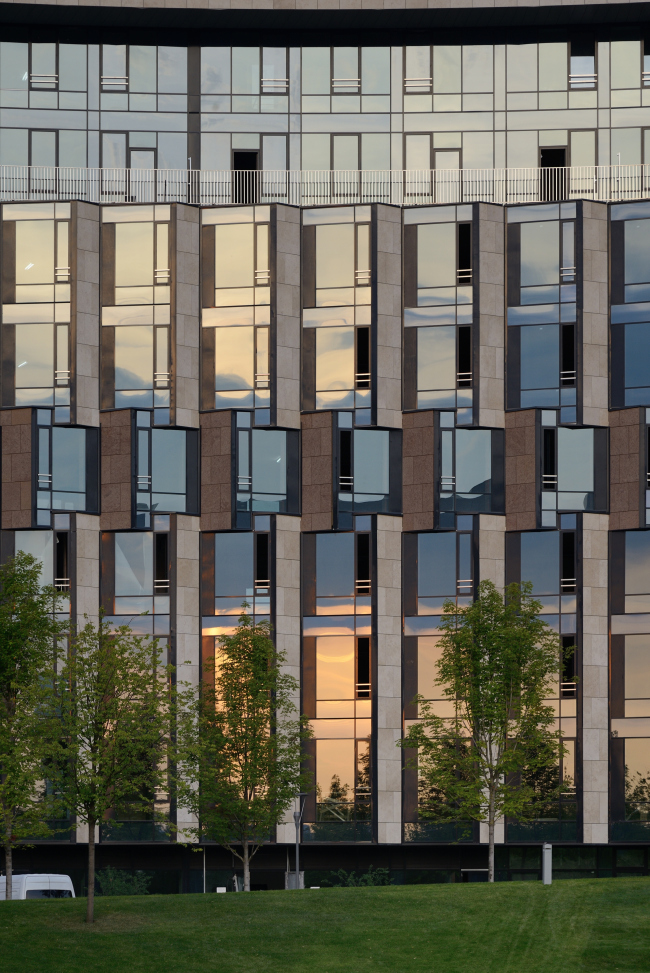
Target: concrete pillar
[
  {"x": 389, "y": 316},
  {"x": 491, "y": 330},
  {"x": 85, "y": 310},
  {"x": 388, "y": 690},
  {"x": 185, "y": 316},
  {"x": 595, "y": 679},
  {"x": 287, "y": 316},
  {"x": 595, "y": 331}
]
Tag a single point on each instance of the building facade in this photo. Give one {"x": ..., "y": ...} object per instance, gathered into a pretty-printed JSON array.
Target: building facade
[{"x": 343, "y": 407}]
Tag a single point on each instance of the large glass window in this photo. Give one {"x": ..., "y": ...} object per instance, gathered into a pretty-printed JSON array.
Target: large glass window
[
  {"x": 542, "y": 281},
  {"x": 236, "y": 308},
  {"x": 343, "y": 581},
  {"x": 368, "y": 465},
  {"x": 67, "y": 468},
  {"x": 266, "y": 470},
  {"x": 438, "y": 310},
  {"x": 166, "y": 470},
  {"x": 136, "y": 306},
  {"x": 470, "y": 471},
  {"x": 36, "y": 304},
  {"x": 572, "y": 469}
]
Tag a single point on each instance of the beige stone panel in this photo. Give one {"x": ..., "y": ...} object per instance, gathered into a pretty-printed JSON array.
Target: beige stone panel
[
  {"x": 388, "y": 689},
  {"x": 87, "y": 567},
  {"x": 491, "y": 548},
  {"x": 85, "y": 308},
  {"x": 186, "y": 328}
]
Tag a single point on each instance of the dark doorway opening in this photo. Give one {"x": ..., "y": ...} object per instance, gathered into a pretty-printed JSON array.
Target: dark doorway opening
[
  {"x": 244, "y": 180},
  {"x": 553, "y": 177}
]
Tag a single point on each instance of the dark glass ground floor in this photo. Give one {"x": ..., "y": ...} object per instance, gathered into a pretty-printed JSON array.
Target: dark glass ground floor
[{"x": 173, "y": 869}]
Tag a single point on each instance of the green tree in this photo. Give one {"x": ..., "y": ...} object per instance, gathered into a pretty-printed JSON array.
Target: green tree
[
  {"x": 498, "y": 754},
  {"x": 117, "y": 881},
  {"x": 240, "y": 745},
  {"x": 28, "y": 632},
  {"x": 115, "y": 707}
]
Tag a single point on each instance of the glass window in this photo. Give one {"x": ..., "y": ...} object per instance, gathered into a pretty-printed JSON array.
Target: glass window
[
  {"x": 540, "y": 262},
  {"x": 637, "y": 362},
  {"x": 540, "y": 357},
  {"x": 134, "y": 358},
  {"x": 172, "y": 69},
  {"x": 35, "y": 255},
  {"x": 134, "y": 564},
  {"x": 234, "y": 255},
  {"x": 446, "y": 69},
  {"x": 478, "y": 67},
  {"x": 335, "y": 368},
  {"x": 245, "y": 70},
  {"x": 437, "y": 565},
  {"x": 417, "y": 73},
  {"x": 334, "y": 567},
  {"x": 316, "y": 77},
  {"x": 473, "y": 460},
  {"x": 540, "y": 561},
  {"x": 335, "y": 676},
  {"x": 436, "y": 362},
  {"x": 40, "y": 544},
  {"x": 625, "y": 64},
  {"x": 429, "y": 655},
  {"x": 334, "y": 262},
  {"x": 637, "y": 669},
  {"x": 637, "y": 260},
  {"x": 233, "y": 564},
  {"x": 215, "y": 70},
  {"x": 68, "y": 469},
  {"x": 269, "y": 466},
  {"x": 371, "y": 461},
  {"x": 553, "y": 67},
  {"x": 375, "y": 71},
  {"x": 34, "y": 357},
  {"x": 14, "y": 69},
  {"x": 436, "y": 255},
  {"x": 575, "y": 460},
  {"x": 168, "y": 466},
  {"x": 637, "y": 562},
  {"x": 637, "y": 775},
  {"x": 234, "y": 357},
  {"x": 142, "y": 69},
  {"x": 134, "y": 262},
  {"x": 522, "y": 67}
]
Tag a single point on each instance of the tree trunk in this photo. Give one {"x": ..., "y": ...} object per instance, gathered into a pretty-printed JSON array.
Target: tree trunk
[
  {"x": 491, "y": 837},
  {"x": 9, "y": 868},
  {"x": 90, "y": 908},
  {"x": 247, "y": 869}
]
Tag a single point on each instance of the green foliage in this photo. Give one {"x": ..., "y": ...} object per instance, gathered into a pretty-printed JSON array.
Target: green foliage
[
  {"x": 499, "y": 754},
  {"x": 240, "y": 741},
  {"x": 115, "y": 710},
  {"x": 117, "y": 881},
  {"x": 343, "y": 879},
  {"x": 28, "y": 731}
]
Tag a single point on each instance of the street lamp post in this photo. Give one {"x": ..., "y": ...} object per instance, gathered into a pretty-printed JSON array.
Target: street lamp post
[{"x": 297, "y": 817}]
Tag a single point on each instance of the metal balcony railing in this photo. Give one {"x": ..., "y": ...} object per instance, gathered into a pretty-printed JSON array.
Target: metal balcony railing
[{"x": 326, "y": 187}]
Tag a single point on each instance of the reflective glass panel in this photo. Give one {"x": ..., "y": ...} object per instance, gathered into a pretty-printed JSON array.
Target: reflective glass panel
[
  {"x": 234, "y": 250},
  {"x": 637, "y": 562},
  {"x": 335, "y": 770},
  {"x": 437, "y": 358},
  {"x": 334, "y": 358},
  {"x": 34, "y": 252},
  {"x": 34, "y": 356},
  {"x": 637, "y": 251},
  {"x": 637, "y": 355},
  {"x": 40, "y": 544},
  {"x": 335, "y": 255},
  {"x": 429, "y": 653},
  {"x": 575, "y": 460},
  {"x": 637, "y": 666},
  {"x": 134, "y": 357},
  {"x": 334, "y": 565},
  {"x": 133, "y": 564},
  {"x": 540, "y": 356},
  {"x": 134, "y": 254},
  {"x": 371, "y": 461},
  {"x": 437, "y": 565},
  {"x": 540, "y": 253},
  {"x": 335, "y": 677},
  {"x": 233, "y": 564},
  {"x": 269, "y": 461},
  {"x": 168, "y": 461},
  {"x": 473, "y": 460},
  {"x": 540, "y": 561},
  {"x": 69, "y": 460},
  {"x": 234, "y": 358},
  {"x": 437, "y": 255}
]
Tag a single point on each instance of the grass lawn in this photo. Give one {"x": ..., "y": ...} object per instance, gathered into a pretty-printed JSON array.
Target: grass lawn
[{"x": 589, "y": 924}]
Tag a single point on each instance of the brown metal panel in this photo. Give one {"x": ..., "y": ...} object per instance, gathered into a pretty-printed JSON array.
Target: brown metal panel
[
  {"x": 207, "y": 266},
  {"x": 317, "y": 471},
  {"x": 207, "y": 368},
  {"x": 207, "y": 574},
  {"x": 418, "y": 470}
]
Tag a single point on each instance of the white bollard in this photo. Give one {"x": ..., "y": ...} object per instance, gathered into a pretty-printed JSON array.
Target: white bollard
[{"x": 547, "y": 864}]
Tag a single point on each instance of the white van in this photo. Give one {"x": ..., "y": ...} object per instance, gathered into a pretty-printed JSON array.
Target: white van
[{"x": 38, "y": 887}]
